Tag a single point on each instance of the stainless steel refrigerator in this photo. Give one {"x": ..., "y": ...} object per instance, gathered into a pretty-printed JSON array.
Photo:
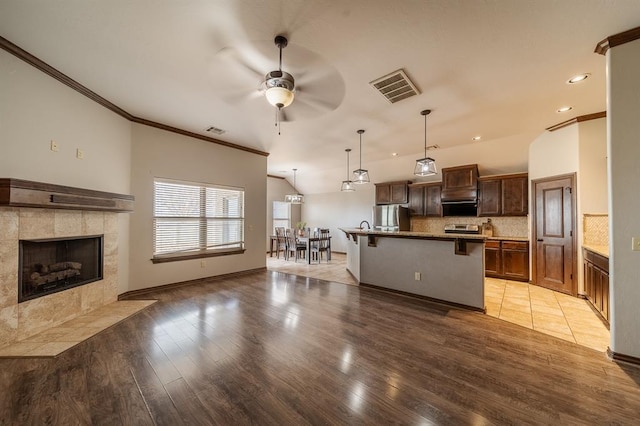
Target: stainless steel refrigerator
[{"x": 391, "y": 217}]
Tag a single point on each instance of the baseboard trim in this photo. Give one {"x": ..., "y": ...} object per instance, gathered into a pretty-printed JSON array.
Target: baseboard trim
[
  {"x": 425, "y": 298},
  {"x": 143, "y": 291},
  {"x": 618, "y": 357}
]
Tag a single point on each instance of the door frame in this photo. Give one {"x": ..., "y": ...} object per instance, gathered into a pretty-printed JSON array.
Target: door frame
[{"x": 534, "y": 231}]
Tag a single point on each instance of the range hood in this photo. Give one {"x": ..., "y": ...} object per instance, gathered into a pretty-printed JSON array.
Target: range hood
[{"x": 459, "y": 195}]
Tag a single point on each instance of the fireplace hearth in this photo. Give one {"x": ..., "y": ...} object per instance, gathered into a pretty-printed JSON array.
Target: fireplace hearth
[{"x": 51, "y": 265}]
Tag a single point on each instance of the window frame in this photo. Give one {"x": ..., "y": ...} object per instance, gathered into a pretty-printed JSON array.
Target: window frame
[{"x": 202, "y": 251}]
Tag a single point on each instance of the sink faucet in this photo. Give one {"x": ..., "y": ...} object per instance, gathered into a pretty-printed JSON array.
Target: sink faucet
[{"x": 364, "y": 221}]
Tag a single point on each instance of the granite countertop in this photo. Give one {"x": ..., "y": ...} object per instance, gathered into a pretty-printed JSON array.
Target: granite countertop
[
  {"x": 413, "y": 234},
  {"x": 501, "y": 238},
  {"x": 601, "y": 250}
]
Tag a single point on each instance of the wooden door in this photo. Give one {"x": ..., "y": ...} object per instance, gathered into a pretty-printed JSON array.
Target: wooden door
[{"x": 554, "y": 223}]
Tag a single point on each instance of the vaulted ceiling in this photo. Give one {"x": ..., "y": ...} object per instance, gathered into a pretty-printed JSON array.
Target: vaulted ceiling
[{"x": 497, "y": 69}]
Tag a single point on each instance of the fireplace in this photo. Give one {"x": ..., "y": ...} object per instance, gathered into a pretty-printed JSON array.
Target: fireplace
[{"x": 55, "y": 264}]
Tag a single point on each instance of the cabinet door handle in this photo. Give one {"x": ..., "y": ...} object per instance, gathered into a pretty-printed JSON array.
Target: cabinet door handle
[{"x": 540, "y": 239}]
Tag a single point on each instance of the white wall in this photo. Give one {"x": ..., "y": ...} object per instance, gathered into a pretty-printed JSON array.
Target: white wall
[
  {"x": 157, "y": 153},
  {"x": 554, "y": 153},
  {"x": 35, "y": 109},
  {"x": 276, "y": 190},
  {"x": 339, "y": 210},
  {"x": 593, "y": 193},
  {"x": 623, "y": 106}
]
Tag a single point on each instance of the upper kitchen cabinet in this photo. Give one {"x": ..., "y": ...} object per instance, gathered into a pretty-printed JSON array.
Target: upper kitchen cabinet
[
  {"x": 460, "y": 183},
  {"x": 424, "y": 199},
  {"x": 506, "y": 195},
  {"x": 392, "y": 192}
]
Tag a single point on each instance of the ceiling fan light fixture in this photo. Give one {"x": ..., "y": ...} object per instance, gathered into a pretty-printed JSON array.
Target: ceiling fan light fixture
[
  {"x": 425, "y": 166},
  {"x": 279, "y": 97},
  {"x": 361, "y": 175}
]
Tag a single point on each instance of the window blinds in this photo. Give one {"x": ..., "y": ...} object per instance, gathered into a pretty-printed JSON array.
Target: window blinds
[{"x": 192, "y": 217}]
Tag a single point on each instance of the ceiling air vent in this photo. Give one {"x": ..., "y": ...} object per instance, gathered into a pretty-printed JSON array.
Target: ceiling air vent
[
  {"x": 395, "y": 86},
  {"x": 215, "y": 130}
]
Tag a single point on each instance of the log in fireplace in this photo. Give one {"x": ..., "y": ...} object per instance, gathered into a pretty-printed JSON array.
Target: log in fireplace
[{"x": 51, "y": 265}]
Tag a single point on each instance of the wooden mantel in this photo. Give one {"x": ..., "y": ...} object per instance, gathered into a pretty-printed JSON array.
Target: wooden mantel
[{"x": 24, "y": 193}]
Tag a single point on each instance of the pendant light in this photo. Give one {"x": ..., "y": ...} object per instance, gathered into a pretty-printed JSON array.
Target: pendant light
[
  {"x": 294, "y": 198},
  {"x": 425, "y": 166},
  {"x": 347, "y": 185},
  {"x": 361, "y": 175}
]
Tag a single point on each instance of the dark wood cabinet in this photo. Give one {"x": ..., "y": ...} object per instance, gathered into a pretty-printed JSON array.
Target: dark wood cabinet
[
  {"x": 424, "y": 199},
  {"x": 492, "y": 257},
  {"x": 507, "y": 259},
  {"x": 506, "y": 195},
  {"x": 489, "y": 197},
  {"x": 416, "y": 200},
  {"x": 460, "y": 183},
  {"x": 433, "y": 203},
  {"x": 392, "y": 192},
  {"x": 596, "y": 282},
  {"x": 515, "y": 195}
]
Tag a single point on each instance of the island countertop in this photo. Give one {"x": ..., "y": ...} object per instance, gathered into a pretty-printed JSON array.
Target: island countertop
[
  {"x": 412, "y": 234},
  {"x": 428, "y": 235},
  {"x": 448, "y": 268}
]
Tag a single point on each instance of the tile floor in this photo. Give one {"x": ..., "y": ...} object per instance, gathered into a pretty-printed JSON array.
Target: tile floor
[
  {"x": 56, "y": 340},
  {"x": 568, "y": 318}
]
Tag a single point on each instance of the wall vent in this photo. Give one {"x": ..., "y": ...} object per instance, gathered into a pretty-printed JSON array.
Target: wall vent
[
  {"x": 395, "y": 86},
  {"x": 215, "y": 130}
]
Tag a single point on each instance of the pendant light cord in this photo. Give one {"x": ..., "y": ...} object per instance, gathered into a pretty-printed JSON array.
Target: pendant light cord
[{"x": 425, "y": 136}]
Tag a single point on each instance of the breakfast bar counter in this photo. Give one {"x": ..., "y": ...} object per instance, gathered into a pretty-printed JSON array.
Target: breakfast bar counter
[{"x": 443, "y": 267}]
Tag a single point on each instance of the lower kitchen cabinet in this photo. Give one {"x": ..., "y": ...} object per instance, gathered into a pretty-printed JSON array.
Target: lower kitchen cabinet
[
  {"x": 596, "y": 281},
  {"x": 507, "y": 259}
]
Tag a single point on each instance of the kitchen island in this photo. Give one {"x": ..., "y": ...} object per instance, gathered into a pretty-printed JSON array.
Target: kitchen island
[{"x": 443, "y": 267}]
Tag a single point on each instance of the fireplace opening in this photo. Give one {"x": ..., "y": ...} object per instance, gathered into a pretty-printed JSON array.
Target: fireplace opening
[{"x": 52, "y": 265}]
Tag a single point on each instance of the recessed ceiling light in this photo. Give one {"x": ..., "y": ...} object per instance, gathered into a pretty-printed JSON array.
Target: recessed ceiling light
[
  {"x": 578, "y": 78},
  {"x": 394, "y": 154},
  {"x": 477, "y": 138},
  {"x": 564, "y": 109}
]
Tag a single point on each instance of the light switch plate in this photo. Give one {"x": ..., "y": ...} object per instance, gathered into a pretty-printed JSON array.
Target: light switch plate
[
  {"x": 54, "y": 146},
  {"x": 635, "y": 243},
  {"x": 79, "y": 154},
  {"x": 417, "y": 276}
]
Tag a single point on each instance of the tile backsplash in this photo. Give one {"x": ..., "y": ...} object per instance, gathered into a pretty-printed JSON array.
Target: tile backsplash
[
  {"x": 595, "y": 229},
  {"x": 502, "y": 226}
]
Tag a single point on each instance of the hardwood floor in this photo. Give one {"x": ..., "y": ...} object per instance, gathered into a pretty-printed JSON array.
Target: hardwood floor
[{"x": 273, "y": 348}]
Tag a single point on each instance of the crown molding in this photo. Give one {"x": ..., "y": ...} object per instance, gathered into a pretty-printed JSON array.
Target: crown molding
[
  {"x": 578, "y": 119},
  {"x": 68, "y": 81},
  {"x": 617, "y": 40}
]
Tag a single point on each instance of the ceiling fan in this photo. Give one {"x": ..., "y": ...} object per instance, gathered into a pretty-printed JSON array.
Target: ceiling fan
[
  {"x": 279, "y": 85},
  {"x": 318, "y": 87}
]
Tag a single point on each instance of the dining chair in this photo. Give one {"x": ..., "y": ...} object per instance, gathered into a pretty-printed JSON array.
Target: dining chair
[
  {"x": 281, "y": 242},
  {"x": 322, "y": 246},
  {"x": 293, "y": 246}
]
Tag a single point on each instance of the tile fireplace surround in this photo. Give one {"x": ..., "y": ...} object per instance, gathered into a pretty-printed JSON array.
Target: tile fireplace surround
[{"x": 21, "y": 321}]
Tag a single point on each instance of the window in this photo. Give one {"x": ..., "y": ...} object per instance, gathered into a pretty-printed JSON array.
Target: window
[
  {"x": 281, "y": 215},
  {"x": 193, "y": 220}
]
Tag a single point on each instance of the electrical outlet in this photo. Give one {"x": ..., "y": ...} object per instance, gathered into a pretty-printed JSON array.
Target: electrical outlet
[
  {"x": 79, "y": 154},
  {"x": 635, "y": 243},
  {"x": 54, "y": 146},
  {"x": 203, "y": 263},
  {"x": 417, "y": 276}
]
